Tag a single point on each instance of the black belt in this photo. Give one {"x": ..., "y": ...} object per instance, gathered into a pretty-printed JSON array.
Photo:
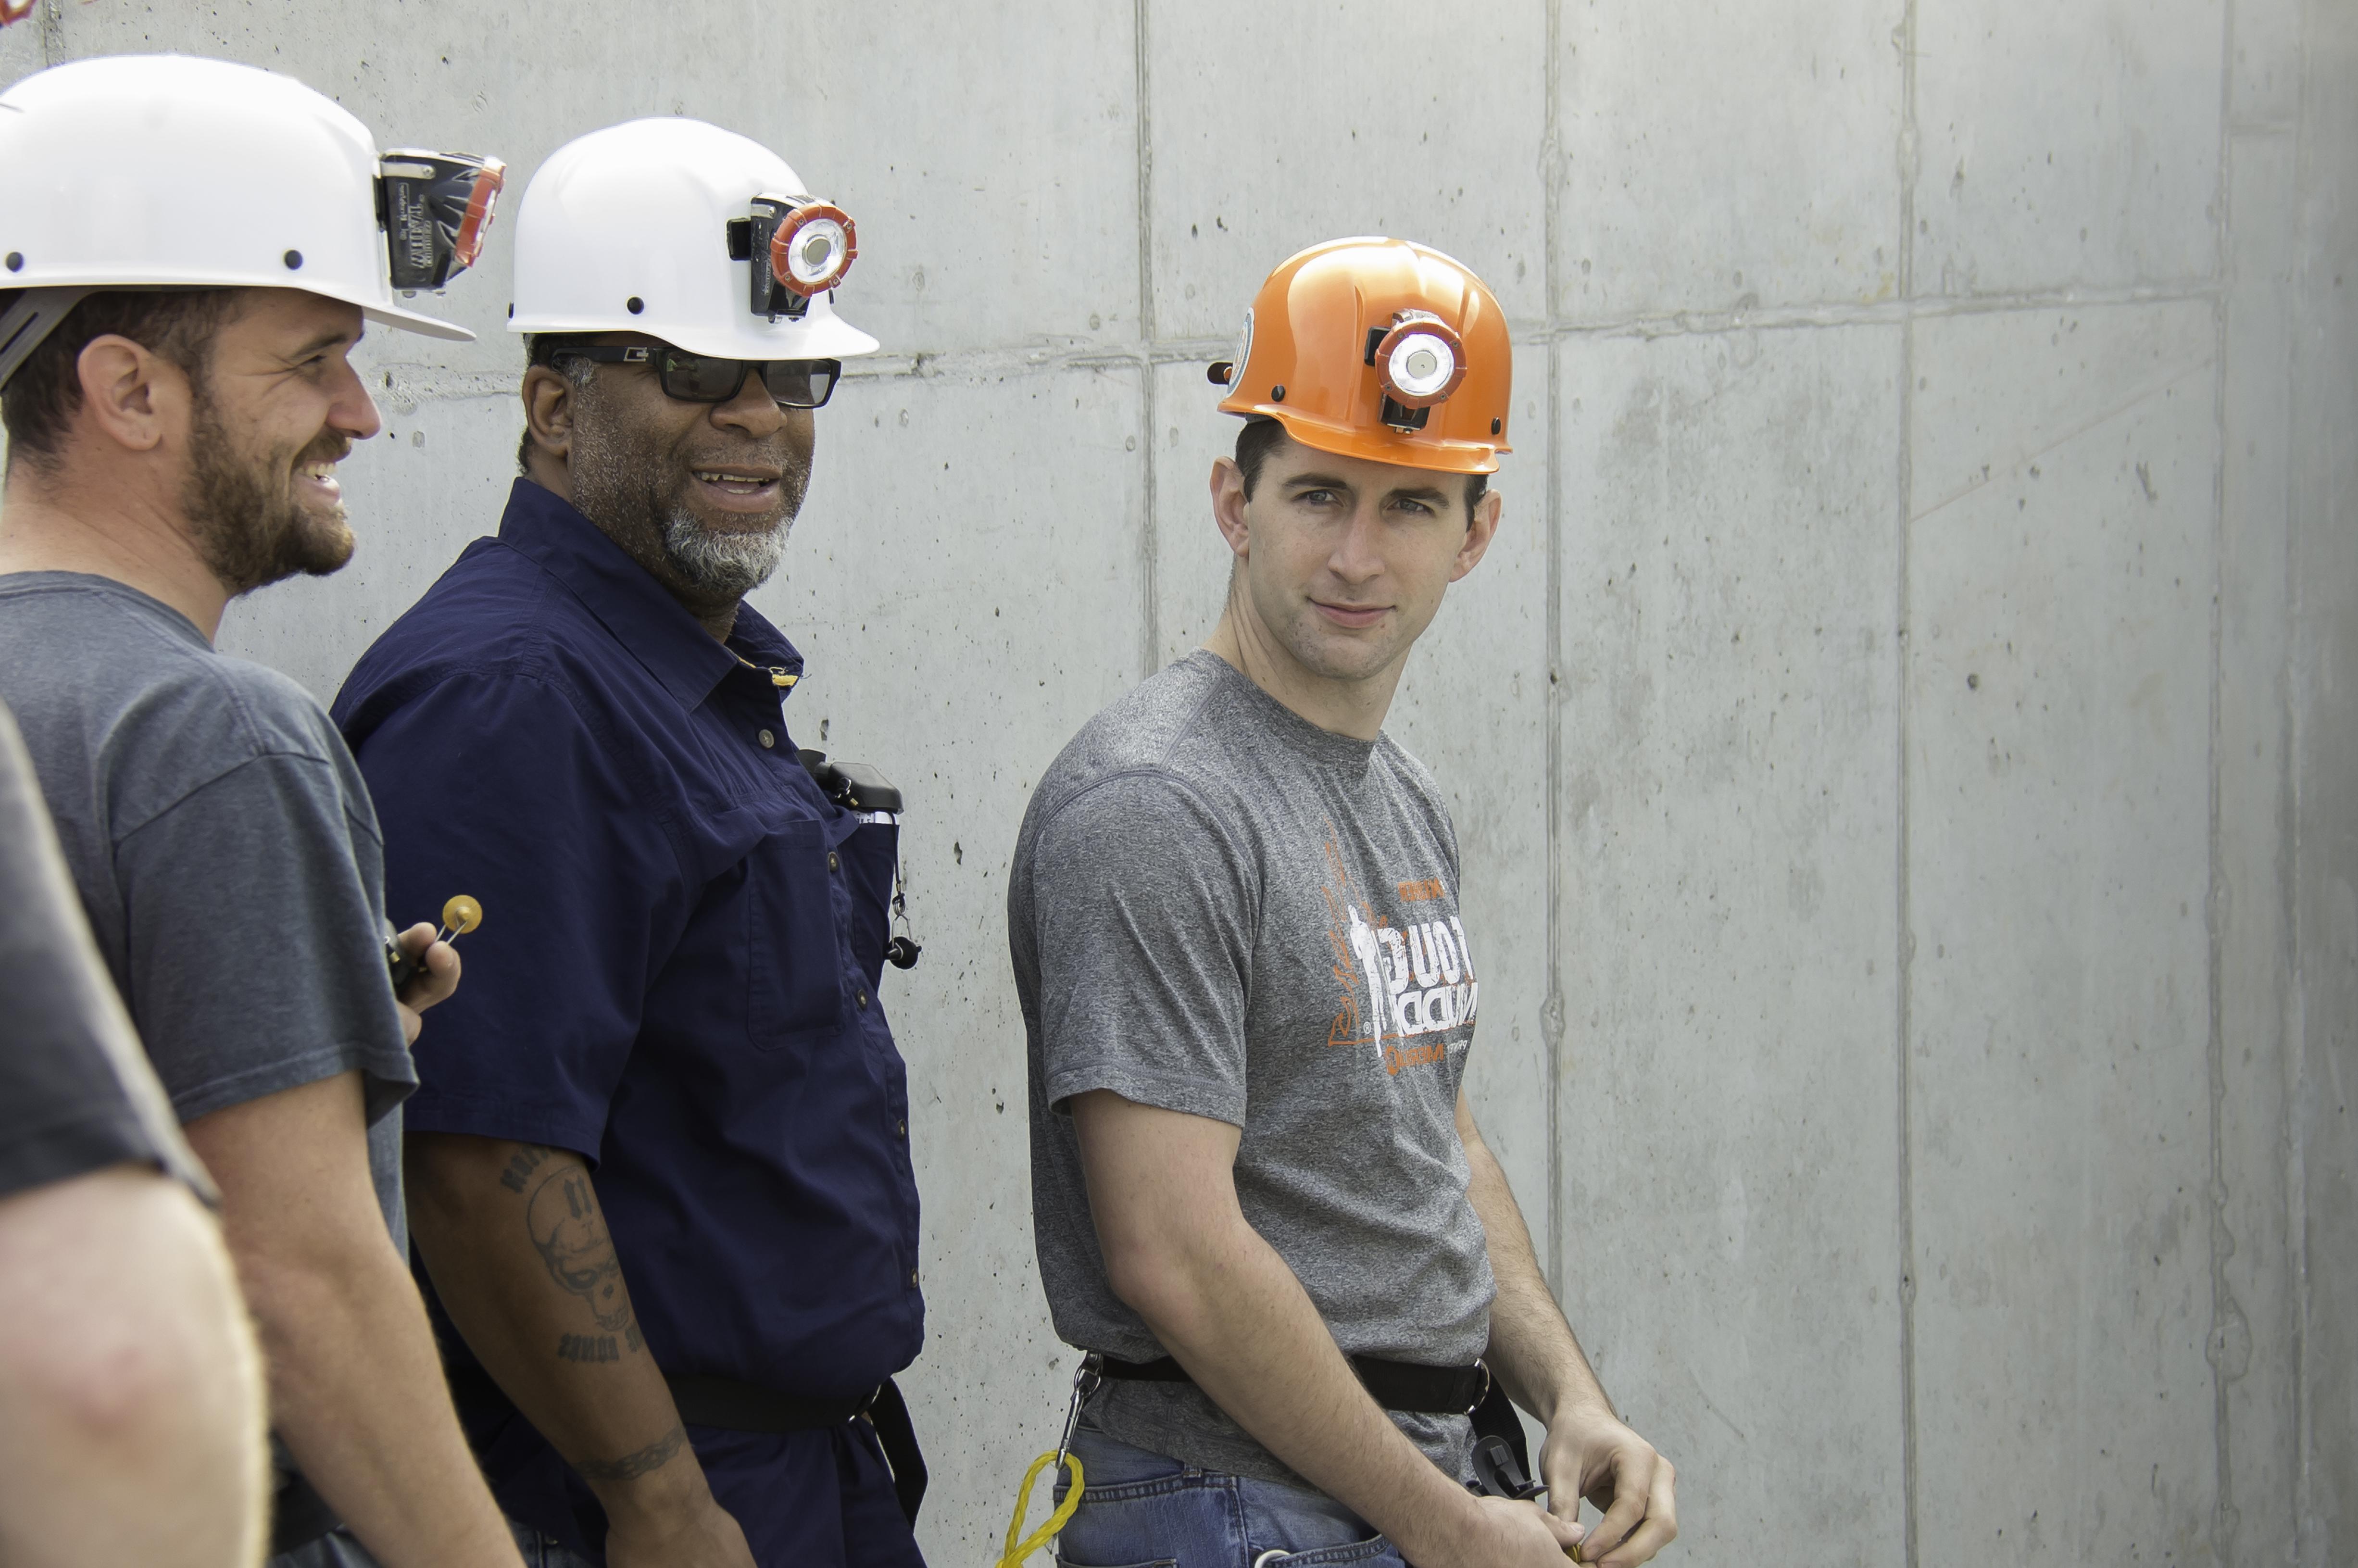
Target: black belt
[
  {"x": 1395, "y": 1385},
  {"x": 733, "y": 1406},
  {"x": 1502, "y": 1462}
]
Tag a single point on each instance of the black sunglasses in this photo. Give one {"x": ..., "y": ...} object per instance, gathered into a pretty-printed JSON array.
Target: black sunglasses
[{"x": 703, "y": 378}]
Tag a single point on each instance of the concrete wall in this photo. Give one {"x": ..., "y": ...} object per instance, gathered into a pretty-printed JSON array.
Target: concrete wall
[{"x": 1903, "y": 741}]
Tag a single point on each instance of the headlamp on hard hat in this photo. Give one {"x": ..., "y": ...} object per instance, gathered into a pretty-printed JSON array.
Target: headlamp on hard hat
[
  {"x": 800, "y": 246},
  {"x": 437, "y": 208},
  {"x": 1419, "y": 362}
]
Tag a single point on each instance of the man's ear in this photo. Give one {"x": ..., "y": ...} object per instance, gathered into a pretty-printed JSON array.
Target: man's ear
[
  {"x": 134, "y": 397},
  {"x": 548, "y": 409},
  {"x": 1478, "y": 533},
  {"x": 1228, "y": 506}
]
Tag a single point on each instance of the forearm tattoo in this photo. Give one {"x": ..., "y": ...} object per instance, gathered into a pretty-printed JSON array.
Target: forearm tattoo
[
  {"x": 528, "y": 1159},
  {"x": 631, "y": 1466},
  {"x": 569, "y": 1232}
]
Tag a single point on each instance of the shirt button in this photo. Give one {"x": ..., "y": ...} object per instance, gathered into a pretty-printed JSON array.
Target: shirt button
[
  {"x": 767, "y": 740},
  {"x": 863, "y": 999},
  {"x": 902, "y": 1127},
  {"x": 833, "y": 864},
  {"x": 913, "y": 1276}
]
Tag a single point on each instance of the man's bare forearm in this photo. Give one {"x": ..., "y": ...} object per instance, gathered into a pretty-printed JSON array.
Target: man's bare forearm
[
  {"x": 356, "y": 1386},
  {"x": 1532, "y": 1350},
  {"x": 1225, "y": 1304},
  {"x": 516, "y": 1242},
  {"x": 1241, "y": 1324}
]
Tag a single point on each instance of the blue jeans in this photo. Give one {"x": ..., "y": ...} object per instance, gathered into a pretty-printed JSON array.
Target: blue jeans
[{"x": 1145, "y": 1511}]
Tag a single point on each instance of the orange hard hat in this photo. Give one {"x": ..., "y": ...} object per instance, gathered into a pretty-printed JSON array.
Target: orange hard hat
[{"x": 1378, "y": 349}]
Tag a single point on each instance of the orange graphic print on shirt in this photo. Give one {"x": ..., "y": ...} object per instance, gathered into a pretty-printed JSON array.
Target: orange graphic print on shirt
[{"x": 1403, "y": 990}]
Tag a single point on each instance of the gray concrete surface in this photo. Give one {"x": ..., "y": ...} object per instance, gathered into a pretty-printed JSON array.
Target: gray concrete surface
[{"x": 1903, "y": 741}]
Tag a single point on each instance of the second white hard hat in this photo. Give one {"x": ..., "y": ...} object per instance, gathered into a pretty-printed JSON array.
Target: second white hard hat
[
  {"x": 689, "y": 233},
  {"x": 168, "y": 170}
]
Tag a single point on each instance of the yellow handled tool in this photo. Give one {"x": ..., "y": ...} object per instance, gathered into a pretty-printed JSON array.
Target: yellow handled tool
[{"x": 1019, "y": 1545}]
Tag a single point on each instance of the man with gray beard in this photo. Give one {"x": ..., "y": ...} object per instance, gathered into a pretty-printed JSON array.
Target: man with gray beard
[{"x": 658, "y": 1160}]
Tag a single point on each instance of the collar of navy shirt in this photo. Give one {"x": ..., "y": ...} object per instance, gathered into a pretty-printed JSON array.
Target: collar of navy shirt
[{"x": 640, "y": 613}]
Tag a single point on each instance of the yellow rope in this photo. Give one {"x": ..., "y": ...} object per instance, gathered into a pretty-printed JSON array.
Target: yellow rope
[{"x": 1018, "y": 1549}]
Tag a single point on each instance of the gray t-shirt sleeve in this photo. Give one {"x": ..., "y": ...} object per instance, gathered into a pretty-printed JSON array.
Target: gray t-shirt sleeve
[
  {"x": 76, "y": 1095},
  {"x": 255, "y": 948},
  {"x": 1143, "y": 914}
]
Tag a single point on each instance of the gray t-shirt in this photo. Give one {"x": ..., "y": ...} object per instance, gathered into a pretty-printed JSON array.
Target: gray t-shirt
[
  {"x": 224, "y": 849},
  {"x": 76, "y": 1096},
  {"x": 1219, "y": 908}
]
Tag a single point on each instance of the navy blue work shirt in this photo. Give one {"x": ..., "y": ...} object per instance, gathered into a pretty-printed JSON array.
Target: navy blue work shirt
[{"x": 676, "y": 972}]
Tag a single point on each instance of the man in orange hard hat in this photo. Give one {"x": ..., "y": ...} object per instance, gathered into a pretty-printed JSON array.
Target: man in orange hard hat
[{"x": 1261, "y": 1201}]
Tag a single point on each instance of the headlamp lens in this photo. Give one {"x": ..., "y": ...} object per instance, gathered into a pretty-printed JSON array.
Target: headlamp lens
[
  {"x": 1419, "y": 360},
  {"x": 438, "y": 211},
  {"x": 1420, "y": 364},
  {"x": 813, "y": 248}
]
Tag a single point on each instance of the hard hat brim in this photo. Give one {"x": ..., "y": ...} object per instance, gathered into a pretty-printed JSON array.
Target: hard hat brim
[
  {"x": 827, "y": 338},
  {"x": 373, "y": 307},
  {"x": 1380, "y": 446},
  {"x": 412, "y": 321}
]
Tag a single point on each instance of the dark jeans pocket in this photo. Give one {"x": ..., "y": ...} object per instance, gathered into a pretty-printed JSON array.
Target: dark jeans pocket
[
  {"x": 1180, "y": 1520},
  {"x": 794, "y": 966}
]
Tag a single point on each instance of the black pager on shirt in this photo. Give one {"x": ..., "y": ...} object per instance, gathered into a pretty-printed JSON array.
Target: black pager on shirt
[{"x": 855, "y": 786}]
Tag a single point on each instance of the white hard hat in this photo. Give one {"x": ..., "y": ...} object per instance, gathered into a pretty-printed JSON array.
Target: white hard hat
[
  {"x": 696, "y": 236},
  {"x": 166, "y": 170}
]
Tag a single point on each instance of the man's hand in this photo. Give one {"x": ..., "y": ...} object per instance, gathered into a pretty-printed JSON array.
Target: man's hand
[
  {"x": 437, "y": 977},
  {"x": 1590, "y": 1453},
  {"x": 1513, "y": 1535}
]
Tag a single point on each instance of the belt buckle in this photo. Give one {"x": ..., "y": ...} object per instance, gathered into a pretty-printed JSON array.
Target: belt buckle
[{"x": 1484, "y": 1394}]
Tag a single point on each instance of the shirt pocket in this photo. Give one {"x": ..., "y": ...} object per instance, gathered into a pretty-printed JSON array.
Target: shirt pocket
[{"x": 794, "y": 963}]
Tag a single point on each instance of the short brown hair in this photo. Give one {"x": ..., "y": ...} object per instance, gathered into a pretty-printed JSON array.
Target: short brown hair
[
  {"x": 1263, "y": 435},
  {"x": 175, "y": 324}
]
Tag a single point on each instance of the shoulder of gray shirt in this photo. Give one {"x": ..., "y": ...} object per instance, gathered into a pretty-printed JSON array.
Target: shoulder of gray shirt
[
  {"x": 189, "y": 713},
  {"x": 1179, "y": 730}
]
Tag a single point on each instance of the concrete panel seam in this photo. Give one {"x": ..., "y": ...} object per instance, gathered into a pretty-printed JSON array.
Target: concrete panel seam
[
  {"x": 1552, "y": 1010},
  {"x": 2224, "y": 1518},
  {"x": 1148, "y": 543},
  {"x": 1887, "y": 313},
  {"x": 2297, "y": 1154},
  {"x": 1904, "y": 479}
]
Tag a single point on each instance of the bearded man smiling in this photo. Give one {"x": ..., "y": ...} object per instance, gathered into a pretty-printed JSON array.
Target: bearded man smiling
[{"x": 179, "y": 393}]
